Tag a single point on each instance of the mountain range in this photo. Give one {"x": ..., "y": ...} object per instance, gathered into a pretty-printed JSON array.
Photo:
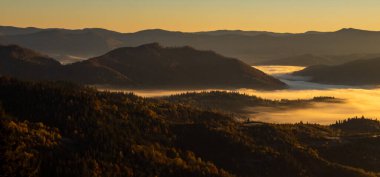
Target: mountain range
[
  {"x": 143, "y": 67},
  {"x": 250, "y": 46}
]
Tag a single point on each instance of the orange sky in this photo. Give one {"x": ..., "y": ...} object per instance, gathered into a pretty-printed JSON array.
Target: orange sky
[{"x": 195, "y": 15}]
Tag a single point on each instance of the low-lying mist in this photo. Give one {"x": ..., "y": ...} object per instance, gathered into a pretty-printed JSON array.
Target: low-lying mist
[{"x": 358, "y": 101}]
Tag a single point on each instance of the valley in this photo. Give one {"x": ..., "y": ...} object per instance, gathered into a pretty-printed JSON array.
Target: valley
[
  {"x": 154, "y": 110},
  {"x": 200, "y": 88}
]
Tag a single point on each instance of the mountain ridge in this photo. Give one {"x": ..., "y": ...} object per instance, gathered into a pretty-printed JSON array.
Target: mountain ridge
[
  {"x": 358, "y": 72},
  {"x": 145, "y": 66},
  {"x": 312, "y": 59},
  {"x": 184, "y": 66}
]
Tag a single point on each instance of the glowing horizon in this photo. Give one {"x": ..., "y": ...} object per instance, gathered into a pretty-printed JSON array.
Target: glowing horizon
[{"x": 294, "y": 16}]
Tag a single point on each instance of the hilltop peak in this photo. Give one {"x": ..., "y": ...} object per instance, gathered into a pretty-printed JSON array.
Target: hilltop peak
[
  {"x": 154, "y": 45},
  {"x": 351, "y": 30},
  {"x": 157, "y": 32},
  {"x": 153, "y": 66},
  {"x": 17, "y": 52}
]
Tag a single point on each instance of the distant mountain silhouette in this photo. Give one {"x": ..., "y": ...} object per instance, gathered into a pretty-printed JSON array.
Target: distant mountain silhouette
[
  {"x": 249, "y": 46},
  {"x": 146, "y": 66},
  {"x": 241, "y": 32},
  {"x": 358, "y": 72},
  {"x": 10, "y": 30}
]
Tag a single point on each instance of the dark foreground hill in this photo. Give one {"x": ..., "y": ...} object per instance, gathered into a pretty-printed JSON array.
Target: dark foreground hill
[
  {"x": 27, "y": 64},
  {"x": 358, "y": 72},
  {"x": 61, "y": 129},
  {"x": 153, "y": 66},
  {"x": 146, "y": 66}
]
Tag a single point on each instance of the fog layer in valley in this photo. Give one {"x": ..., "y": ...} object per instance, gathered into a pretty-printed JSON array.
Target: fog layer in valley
[{"x": 358, "y": 101}]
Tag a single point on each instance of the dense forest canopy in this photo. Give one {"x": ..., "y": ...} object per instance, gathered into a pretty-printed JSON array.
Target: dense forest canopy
[
  {"x": 63, "y": 129},
  {"x": 240, "y": 104}
]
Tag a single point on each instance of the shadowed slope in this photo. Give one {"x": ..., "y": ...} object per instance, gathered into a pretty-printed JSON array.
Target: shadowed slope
[
  {"x": 359, "y": 72},
  {"x": 153, "y": 66},
  {"x": 26, "y": 64},
  {"x": 146, "y": 66}
]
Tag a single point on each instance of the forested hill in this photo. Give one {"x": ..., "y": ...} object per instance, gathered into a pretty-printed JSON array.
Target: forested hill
[
  {"x": 62, "y": 129},
  {"x": 146, "y": 66},
  {"x": 241, "y": 104},
  {"x": 358, "y": 72},
  {"x": 154, "y": 66},
  {"x": 312, "y": 59},
  {"x": 26, "y": 64}
]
